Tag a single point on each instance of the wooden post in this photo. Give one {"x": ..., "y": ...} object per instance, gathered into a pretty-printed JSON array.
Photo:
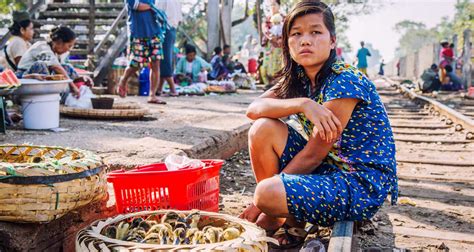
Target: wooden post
[
  {"x": 467, "y": 68},
  {"x": 455, "y": 42},
  {"x": 91, "y": 44},
  {"x": 212, "y": 26},
  {"x": 226, "y": 18},
  {"x": 259, "y": 20}
]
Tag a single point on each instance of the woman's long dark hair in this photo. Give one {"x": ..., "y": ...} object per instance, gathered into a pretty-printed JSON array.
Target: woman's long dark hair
[{"x": 288, "y": 85}]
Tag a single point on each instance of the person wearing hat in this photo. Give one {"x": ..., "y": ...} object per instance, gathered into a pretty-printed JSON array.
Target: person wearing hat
[{"x": 22, "y": 33}]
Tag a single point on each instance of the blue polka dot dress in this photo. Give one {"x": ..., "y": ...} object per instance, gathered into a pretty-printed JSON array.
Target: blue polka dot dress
[{"x": 360, "y": 170}]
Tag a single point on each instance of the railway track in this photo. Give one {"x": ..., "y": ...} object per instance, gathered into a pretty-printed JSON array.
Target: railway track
[{"x": 435, "y": 163}]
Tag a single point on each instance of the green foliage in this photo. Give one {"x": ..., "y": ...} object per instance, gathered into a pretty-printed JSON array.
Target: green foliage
[
  {"x": 415, "y": 34},
  {"x": 7, "y": 5},
  {"x": 463, "y": 19}
]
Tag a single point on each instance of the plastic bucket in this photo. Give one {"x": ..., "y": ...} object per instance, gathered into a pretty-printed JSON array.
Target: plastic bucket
[{"x": 40, "y": 111}]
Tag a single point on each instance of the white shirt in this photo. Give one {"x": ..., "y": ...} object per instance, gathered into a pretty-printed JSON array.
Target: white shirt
[
  {"x": 189, "y": 67},
  {"x": 16, "y": 47},
  {"x": 172, "y": 8},
  {"x": 39, "y": 52}
]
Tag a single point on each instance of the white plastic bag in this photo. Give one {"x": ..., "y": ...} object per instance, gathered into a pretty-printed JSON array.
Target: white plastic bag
[
  {"x": 175, "y": 162},
  {"x": 84, "y": 100}
]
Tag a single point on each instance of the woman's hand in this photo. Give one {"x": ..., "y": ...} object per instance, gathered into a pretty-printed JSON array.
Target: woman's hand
[
  {"x": 326, "y": 124},
  {"x": 75, "y": 91}
]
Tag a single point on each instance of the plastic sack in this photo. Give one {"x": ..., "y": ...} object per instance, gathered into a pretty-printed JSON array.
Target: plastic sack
[
  {"x": 175, "y": 162},
  {"x": 84, "y": 100},
  {"x": 313, "y": 245}
]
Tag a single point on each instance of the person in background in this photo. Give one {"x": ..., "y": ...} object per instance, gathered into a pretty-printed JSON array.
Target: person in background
[
  {"x": 339, "y": 56},
  {"x": 272, "y": 62},
  {"x": 189, "y": 67},
  {"x": 219, "y": 71},
  {"x": 172, "y": 8},
  {"x": 259, "y": 67},
  {"x": 446, "y": 56},
  {"x": 381, "y": 71},
  {"x": 430, "y": 80},
  {"x": 227, "y": 58},
  {"x": 22, "y": 33},
  {"x": 362, "y": 55},
  {"x": 454, "y": 83},
  {"x": 43, "y": 57},
  {"x": 145, "y": 46},
  {"x": 398, "y": 68}
]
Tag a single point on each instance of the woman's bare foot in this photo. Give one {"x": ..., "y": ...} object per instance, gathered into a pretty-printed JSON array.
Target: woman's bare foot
[
  {"x": 251, "y": 213},
  {"x": 269, "y": 223}
]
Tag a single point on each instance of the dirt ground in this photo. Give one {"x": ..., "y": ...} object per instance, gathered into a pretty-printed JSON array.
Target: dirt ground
[{"x": 181, "y": 125}]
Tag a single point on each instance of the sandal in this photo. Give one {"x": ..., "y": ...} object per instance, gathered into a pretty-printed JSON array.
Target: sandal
[
  {"x": 157, "y": 101},
  {"x": 293, "y": 235},
  {"x": 170, "y": 94}
]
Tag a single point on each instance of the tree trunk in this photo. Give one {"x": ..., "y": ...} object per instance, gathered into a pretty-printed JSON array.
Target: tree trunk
[
  {"x": 467, "y": 68},
  {"x": 259, "y": 20},
  {"x": 212, "y": 26},
  {"x": 455, "y": 42},
  {"x": 226, "y": 18}
]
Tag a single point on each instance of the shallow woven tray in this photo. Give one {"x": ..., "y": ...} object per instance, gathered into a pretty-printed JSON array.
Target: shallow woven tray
[
  {"x": 252, "y": 238},
  {"x": 119, "y": 111},
  {"x": 40, "y": 183}
]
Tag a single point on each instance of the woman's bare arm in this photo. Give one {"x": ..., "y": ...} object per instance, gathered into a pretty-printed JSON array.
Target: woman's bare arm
[
  {"x": 317, "y": 149},
  {"x": 60, "y": 70},
  {"x": 269, "y": 105}
]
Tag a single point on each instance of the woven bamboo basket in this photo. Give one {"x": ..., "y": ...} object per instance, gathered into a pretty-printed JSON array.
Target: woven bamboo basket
[
  {"x": 252, "y": 238},
  {"x": 118, "y": 111},
  {"x": 40, "y": 183}
]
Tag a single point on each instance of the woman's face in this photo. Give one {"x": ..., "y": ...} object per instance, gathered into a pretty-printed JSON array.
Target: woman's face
[
  {"x": 275, "y": 8},
  {"x": 190, "y": 56},
  {"x": 28, "y": 32},
  {"x": 63, "y": 47},
  {"x": 310, "y": 41}
]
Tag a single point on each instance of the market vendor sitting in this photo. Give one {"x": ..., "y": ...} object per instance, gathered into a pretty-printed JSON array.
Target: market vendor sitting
[
  {"x": 189, "y": 67},
  {"x": 22, "y": 33},
  {"x": 43, "y": 59}
]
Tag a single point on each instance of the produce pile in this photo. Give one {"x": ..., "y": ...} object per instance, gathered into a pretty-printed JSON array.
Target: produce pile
[{"x": 172, "y": 229}]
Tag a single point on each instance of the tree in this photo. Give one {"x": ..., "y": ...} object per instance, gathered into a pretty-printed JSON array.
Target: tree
[
  {"x": 195, "y": 28},
  {"x": 343, "y": 10},
  {"x": 7, "y": 5},
  {"x": 415, "y": 34},
  {"x": 463, "y": 19}
]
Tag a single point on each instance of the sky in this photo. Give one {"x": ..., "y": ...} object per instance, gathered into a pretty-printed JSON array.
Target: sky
[{"x": 377, "y": 27}]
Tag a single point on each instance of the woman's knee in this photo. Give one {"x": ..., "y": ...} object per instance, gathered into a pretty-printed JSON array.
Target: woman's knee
[
  {"x": 264, "y": 127},
  {"x": 270, "y": 196}
]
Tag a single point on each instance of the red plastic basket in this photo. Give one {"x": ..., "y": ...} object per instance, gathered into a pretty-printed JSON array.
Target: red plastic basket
[{"x": 153, "y": 187}]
